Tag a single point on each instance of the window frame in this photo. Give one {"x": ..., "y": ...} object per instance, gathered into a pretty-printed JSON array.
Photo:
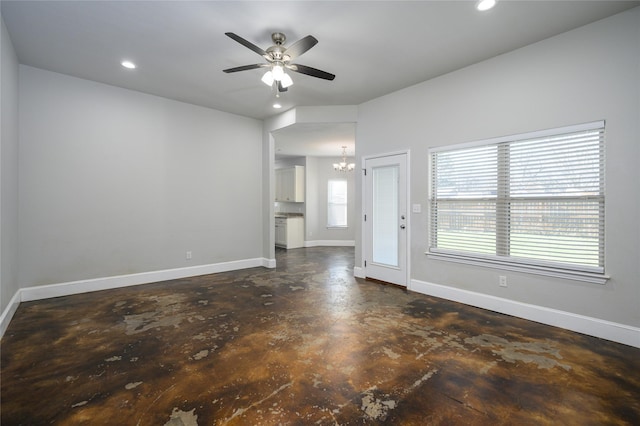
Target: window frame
[
  {"x": 345, "y": 204},
  {"x": 503, "y": 260}
]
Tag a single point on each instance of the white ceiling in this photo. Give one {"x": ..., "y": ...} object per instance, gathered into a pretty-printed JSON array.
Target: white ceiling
[{"x": 373, "y": 47}]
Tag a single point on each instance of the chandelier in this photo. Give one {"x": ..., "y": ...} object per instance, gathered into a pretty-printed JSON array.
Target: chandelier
[{"x": 343, "y": 166}]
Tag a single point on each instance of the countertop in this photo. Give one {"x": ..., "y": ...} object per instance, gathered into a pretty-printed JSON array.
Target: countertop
[{"x": 289, "y": 215}]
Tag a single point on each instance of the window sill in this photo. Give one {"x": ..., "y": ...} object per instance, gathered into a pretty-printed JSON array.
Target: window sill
[
  {"x": 337, "y": 227},
  {"x": 590, "y": 277}
]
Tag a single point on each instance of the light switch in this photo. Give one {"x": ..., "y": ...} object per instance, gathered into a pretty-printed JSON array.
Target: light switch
[{"x": 417, "y": 208}]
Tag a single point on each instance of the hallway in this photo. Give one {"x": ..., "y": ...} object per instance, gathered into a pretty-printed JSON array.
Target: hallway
[{"x": 305, "y": 343}]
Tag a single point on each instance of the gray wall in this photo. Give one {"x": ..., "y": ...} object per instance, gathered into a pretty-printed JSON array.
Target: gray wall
[
  {"x": 116, "y": 182},
  {"x": 8, "y": 171},
  {"x": 312, "y": 202},
  {"x": 587, "y": 74}
]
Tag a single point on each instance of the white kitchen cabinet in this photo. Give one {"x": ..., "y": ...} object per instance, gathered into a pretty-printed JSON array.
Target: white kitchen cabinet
[
  {"x": 290, "y": 184},
  {"x": 289, "y": 232},
  {"x": 281, "y": 231}
]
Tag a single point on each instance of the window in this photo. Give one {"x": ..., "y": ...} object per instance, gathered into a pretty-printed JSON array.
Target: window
[
  {"x": 337, "y": 204},
  {"x": 530, "y": 202}
]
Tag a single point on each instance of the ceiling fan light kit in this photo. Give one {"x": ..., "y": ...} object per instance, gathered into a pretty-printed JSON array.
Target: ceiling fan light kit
[
  {"x": 279, "y": 59},
  {"x": 267, "y": 78},
  {"x": 277, "y": 74},
  {"x": 286, "y": 81}
]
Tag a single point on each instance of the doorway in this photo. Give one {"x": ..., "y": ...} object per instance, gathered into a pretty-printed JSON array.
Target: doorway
[{"x": 386, "y": 219}]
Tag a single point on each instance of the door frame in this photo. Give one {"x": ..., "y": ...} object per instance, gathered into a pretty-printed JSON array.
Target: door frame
[{"x": 363, "y": 203}]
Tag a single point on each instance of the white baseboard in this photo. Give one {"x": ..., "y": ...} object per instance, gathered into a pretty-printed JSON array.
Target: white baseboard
[
  {"x": 603, "y": 329},
  {"x": 106, "y": 283},
  {"x": 27, "y": 294},
  {"x": 8, "y": 312},
  {"x": 358, "y": 272},
  {"x": 330, "y": 243}
]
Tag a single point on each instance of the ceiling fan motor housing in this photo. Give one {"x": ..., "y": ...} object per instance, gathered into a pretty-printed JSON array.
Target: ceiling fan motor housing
[
  {"x": 278, "y": 38},
  {"x": 277, "y": 52}
]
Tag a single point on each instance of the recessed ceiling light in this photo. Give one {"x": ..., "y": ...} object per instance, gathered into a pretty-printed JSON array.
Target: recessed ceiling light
[
  {"x": 483, "y": 5},
  {"x": 128, "y": 64},
  {"x": 277, "y": 105}
]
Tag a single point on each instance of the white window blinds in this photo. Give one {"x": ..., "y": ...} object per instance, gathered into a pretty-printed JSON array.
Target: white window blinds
[{"x": 534, "y": 199}]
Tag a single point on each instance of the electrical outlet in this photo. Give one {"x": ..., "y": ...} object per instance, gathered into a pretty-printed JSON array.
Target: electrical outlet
[
  {"x": 188, "y": 256},
  {"x": 502, "y": 281}
]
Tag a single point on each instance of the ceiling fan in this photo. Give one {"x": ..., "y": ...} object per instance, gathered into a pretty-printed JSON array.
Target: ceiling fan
[{"x": 279, "y": 59}]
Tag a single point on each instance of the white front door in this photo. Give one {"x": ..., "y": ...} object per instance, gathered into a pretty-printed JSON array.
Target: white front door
[{"x": 386, "y": 223}]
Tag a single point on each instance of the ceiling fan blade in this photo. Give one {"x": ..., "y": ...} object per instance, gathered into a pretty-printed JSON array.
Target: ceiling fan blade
[
  {"x": 248, "y": 44},
  {"x": 313, "y": 72},
  {"x": 301, "y": 46},
  {"x": 245, "y": 68}
]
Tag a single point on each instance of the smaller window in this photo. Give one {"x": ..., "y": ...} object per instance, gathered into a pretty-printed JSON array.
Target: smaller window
[{"x": 337, "y": 204}]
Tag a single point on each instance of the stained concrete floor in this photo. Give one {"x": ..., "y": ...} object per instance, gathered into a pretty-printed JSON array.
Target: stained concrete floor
[{"x": 303, "y": 344}]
